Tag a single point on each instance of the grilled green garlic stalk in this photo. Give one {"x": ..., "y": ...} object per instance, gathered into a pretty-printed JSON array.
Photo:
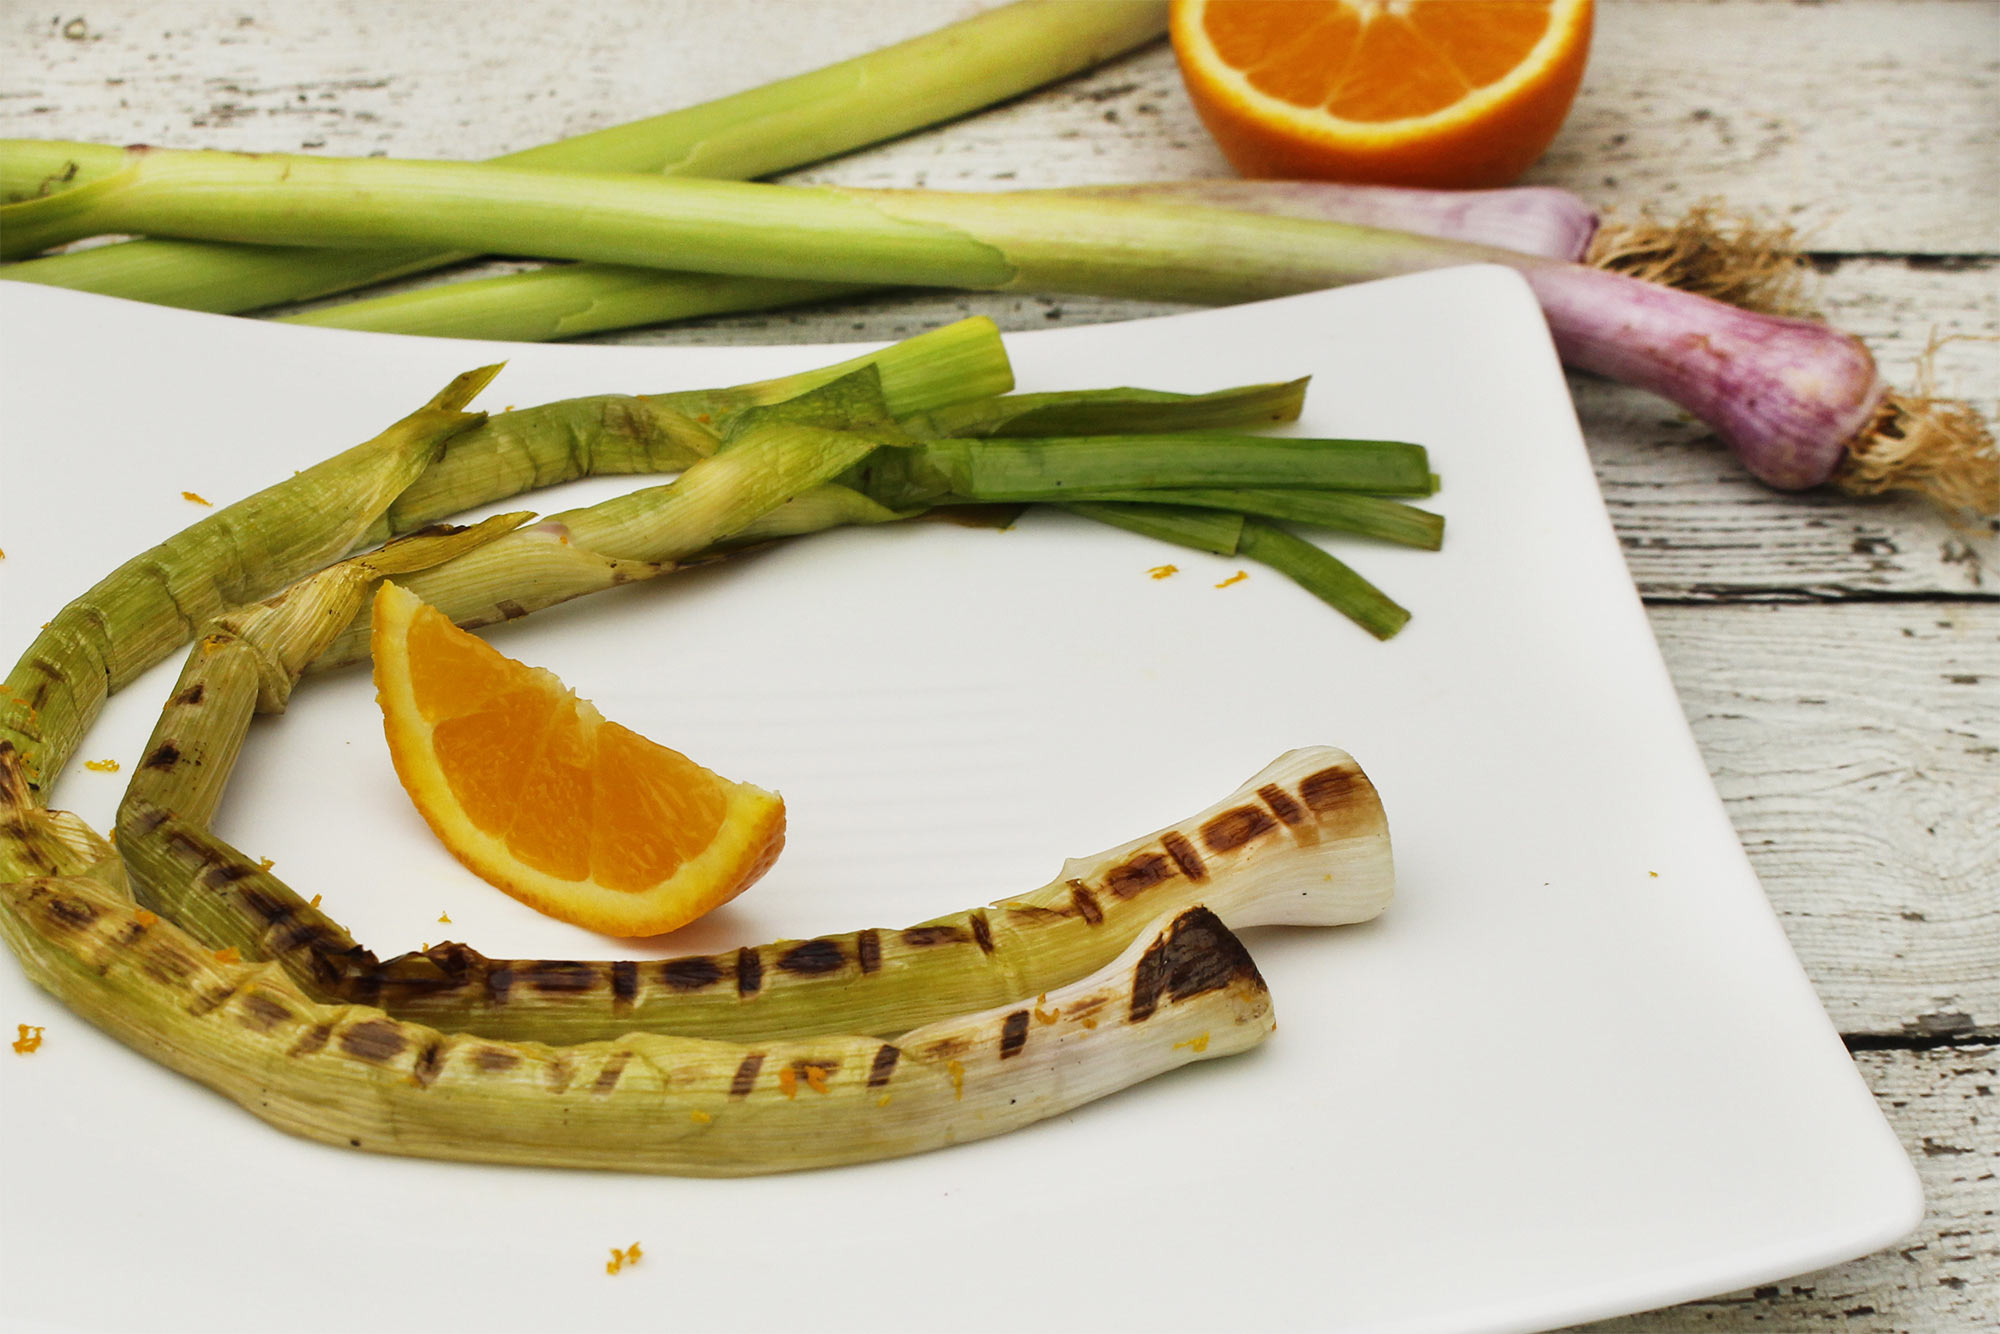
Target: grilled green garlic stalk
[
  {"x": 1304, "y": 842},
  {"x": 349, "y": 1074},
  {"x": 154, "y": 602},
  {"x": 797, "y": 1054}
]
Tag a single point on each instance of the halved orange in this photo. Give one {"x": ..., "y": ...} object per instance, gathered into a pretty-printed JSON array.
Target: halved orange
[
  {"x": 1443, "y": 93},
  {"x": 536, "y": 792}
]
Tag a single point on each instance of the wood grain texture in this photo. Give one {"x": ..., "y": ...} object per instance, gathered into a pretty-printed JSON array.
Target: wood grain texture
[
  {"x": 1939, "y": 1280},
  {"x": 1839, "y": 661},
  {"x": 1857, "y": 748},
  {"x": 1678, "y": 106},
  {"x": 1844, "y": 118}
]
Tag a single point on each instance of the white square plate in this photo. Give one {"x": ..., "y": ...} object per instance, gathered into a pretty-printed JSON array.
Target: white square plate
[{"x": 1573, "y": 1071}]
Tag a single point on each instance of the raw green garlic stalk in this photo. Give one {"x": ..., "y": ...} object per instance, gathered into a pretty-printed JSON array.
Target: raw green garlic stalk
[
  {"x": 826, "y": 112},
  {"x": 1801, "y": 404}
]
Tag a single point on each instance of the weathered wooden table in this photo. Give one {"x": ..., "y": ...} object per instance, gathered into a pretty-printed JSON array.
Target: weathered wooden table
[{"x": 1839, "y": 660}]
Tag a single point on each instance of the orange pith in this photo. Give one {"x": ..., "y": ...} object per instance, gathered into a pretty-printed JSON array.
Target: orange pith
[
  {"x": 1446, "y": 93},
  {"x": 538, "y": 793}
]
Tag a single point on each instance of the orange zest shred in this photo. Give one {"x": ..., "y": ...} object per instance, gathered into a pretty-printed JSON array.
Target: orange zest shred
[
  {"x": 228, "y": 955},
  {"x": 631, "y": 1255},
  {"x": 816, "y": 1078},
  {"x": 1236, "y": 578},
  {"x": 957, "y": 1073},
  {"x": 145, "y": 917},
  {"x": 882, "y": 1101},
  {"x": 1090, "y": 1023},
  {"x": 265, "y": 863},
  {"x": 1164, "y": 571},
  {"x": 1047, "y": 1016},
  {"x": 30, "y": 1039},
  {"x": 101, "y": 766},
  {"x": 191, "y": 496},
  {"x": 1196, "y": 1044},
  {"x": 788, "y": 1082},
  {"x": 699, "y": 1117},
  {"x": 315, "y": 901},
  {"x": 445, "y": 918}
]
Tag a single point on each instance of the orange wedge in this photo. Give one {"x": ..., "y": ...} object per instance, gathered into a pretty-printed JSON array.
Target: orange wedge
[
  {"x": 539, "y": 794},
  {"x": 1443, "y": 93}
]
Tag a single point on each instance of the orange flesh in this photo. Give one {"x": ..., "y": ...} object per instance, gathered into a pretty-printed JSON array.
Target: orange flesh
[
  {"x": 1413, "y": 92},
  {"x": 570, "y": 794},
  {"x": 1388, "y": 65}
]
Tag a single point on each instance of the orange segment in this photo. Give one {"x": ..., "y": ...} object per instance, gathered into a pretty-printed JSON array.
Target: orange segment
[
  {"x": 1444, "y": 93},
  {"x": 539, "y": 794},
  {"x": 479, "y": 753}
]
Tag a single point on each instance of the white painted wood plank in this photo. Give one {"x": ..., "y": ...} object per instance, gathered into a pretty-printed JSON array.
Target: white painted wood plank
[
  {"x": 1857, "y": 748},
  {"x": 1868, "y": 123},
  {"x": 1943, "y": 1279}
]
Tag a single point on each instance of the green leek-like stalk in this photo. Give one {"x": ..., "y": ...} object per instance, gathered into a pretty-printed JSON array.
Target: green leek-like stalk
[
  {"x": 1325, "y": 576},
  {"x": 1800, "y": 403},
  {"x": 765, "y": 462},
  {"x": 567, "y": 300},
  {"x": 247, "y": 661},
  {"x": 1063, "y": 467},
  {"x": 157, "y": 600},
  {"x": 352, "y": 1076},
  {"x": 1212, "y": 530},
  {"x": 152, "y": 603},
  {"x": 552, "y": 302},
  {"x": 936, "y": 77},
  {"x": 733, "y": 496},
  {"x": 1111, "y": 412},
  {"x": 1031, "y": 241},
  {"x": 616, "y": 434},
  {"x": 1364, "y": 516}
]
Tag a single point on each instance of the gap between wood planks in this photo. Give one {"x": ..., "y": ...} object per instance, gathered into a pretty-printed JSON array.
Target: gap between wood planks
[{"x": 1979, "y": 1037}]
